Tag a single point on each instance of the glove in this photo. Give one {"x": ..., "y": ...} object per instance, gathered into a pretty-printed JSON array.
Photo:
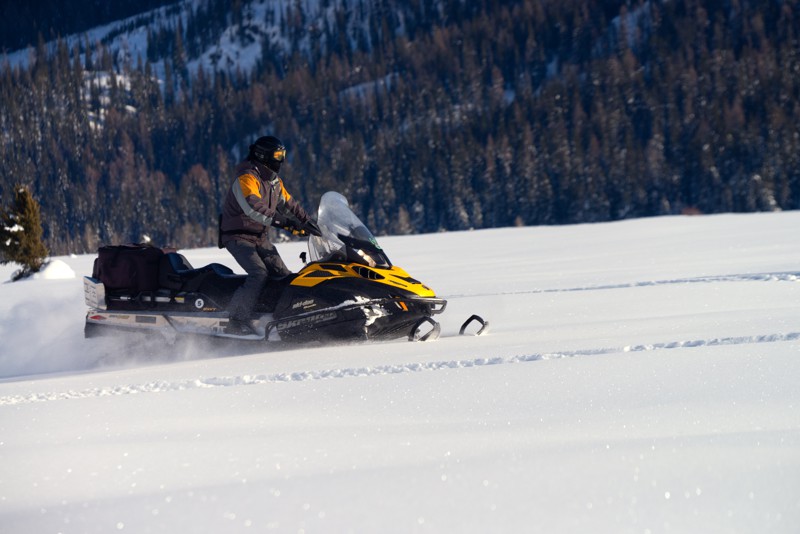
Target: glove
[
  {"x": 294, "y": 231},
  {"x": 312, "y": 228}
]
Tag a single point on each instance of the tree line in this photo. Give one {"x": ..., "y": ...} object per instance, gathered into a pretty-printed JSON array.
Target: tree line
[{"x": 477, "y": 114}]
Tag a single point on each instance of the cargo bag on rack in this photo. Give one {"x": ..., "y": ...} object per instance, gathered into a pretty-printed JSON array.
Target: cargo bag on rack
[{"x": 128, "y": 268}]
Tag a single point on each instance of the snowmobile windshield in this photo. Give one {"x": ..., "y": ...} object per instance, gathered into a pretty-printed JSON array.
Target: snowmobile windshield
[{"x": 344, "y": 236}]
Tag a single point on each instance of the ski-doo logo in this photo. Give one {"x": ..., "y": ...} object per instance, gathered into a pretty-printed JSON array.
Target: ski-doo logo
[
  {"x": 199, "y": 303},
  {"x": 304, "y": 304},
  {"x": 307, "y": 321}
]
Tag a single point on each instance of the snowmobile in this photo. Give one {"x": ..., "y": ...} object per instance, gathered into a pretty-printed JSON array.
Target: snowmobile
[{"x": 349, "y": 290}]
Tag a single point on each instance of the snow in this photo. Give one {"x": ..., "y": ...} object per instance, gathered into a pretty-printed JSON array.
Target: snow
[
  {"x": 55, "y": 270},
  {"x": 639, "y": 376}
]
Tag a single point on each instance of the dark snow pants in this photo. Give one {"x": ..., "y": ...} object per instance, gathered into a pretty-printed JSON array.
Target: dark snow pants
[{"x": 260, "y": 261}]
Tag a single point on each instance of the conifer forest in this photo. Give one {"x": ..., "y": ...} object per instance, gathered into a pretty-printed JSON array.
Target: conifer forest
[{"x": 428, "y": 115}]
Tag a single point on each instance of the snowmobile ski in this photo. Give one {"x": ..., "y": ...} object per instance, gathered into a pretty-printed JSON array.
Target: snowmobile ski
[
  {"x": 433, "y": 333},
  {"x": 484, "y": 328}
]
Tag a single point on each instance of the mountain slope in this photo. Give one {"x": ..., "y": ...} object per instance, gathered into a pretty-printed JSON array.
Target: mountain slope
[{"x": 428, "y": 115}]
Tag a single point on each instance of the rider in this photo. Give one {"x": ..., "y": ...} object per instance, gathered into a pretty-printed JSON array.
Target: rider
[{"x": 255, "y": 201}]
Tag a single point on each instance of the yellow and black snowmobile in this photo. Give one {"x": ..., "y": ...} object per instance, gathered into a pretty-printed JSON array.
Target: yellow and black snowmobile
[{"x": 349, "y": 290}]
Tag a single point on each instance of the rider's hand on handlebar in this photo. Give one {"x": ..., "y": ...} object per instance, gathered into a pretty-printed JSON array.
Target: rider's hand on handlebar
[
  {"x": 294, "y": 231},
  {"x": 311, "y": 227}
]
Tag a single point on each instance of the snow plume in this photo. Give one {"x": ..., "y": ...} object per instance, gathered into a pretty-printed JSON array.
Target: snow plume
[
  {"x": 45, "y": 335},
  {"x": 40, "y": 336}
]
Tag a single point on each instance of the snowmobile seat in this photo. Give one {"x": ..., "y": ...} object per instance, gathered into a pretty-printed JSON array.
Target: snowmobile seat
[{"x": 176, "y": 273}]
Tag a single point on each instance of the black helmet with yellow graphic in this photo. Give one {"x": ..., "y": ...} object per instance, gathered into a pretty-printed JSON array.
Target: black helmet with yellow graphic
[{"x": 268, "y": 151}]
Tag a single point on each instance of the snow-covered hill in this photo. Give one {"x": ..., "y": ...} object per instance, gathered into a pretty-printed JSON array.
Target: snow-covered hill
[
  {"x": 241, "y": 34},
  {"x": 640, "y": 376}
]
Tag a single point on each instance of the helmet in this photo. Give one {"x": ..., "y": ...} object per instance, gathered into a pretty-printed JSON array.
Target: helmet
[{"x": 268, "y": 151}]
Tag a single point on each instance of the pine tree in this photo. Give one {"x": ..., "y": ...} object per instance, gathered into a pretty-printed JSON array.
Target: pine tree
[{"x": 21, "y": 234}]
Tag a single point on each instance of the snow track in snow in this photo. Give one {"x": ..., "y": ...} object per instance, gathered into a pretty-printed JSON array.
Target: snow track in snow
[
  {"x": 300, "y": 376},
  {"x": 754, "y": 277}
]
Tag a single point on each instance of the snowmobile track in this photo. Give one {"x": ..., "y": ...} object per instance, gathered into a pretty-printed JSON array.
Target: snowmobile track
[
  {"x": 753, "y": 277},
  {"x": 299, "y": 376}
]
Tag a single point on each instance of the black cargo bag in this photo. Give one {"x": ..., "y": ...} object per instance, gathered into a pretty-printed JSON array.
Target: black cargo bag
[{"x": 129, "y": 268}]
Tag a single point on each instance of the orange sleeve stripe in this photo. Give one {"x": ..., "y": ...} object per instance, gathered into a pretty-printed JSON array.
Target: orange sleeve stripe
[
  {"x": 249, "y": 185},
  {"x": 285, "y": 193}
]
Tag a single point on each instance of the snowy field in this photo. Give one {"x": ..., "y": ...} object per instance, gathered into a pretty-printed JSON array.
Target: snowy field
[{"x": 640, "y": 376}]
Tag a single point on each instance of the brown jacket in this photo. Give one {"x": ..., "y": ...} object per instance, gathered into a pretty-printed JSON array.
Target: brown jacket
[{"x": 256, "y": 200}]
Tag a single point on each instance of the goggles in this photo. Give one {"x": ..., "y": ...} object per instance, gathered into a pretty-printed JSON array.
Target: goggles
[{"x": 279, "y": 154}]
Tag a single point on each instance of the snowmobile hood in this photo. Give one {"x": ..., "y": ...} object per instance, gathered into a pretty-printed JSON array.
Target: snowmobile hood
[{"x": 395, "y": 277}]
